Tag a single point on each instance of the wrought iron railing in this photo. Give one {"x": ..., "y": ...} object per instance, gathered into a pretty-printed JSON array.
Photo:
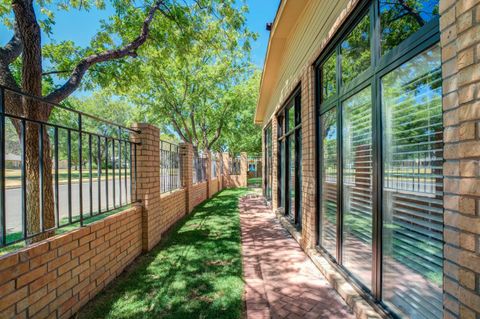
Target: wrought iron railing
[
  {"x": 59, "y": 167},
  {"x": 199, "y": 168},
  {"x": 170, "y": 167},
  {"x": 235, "y": 166},
  {"x": 214, "y": 166}
]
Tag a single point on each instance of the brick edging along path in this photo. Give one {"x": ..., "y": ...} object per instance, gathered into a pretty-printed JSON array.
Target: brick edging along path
[{"x": 280, "y": 279}]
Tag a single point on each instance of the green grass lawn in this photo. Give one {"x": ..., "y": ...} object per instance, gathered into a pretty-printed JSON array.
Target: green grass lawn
[
  {"x": 255, "y": 181},
  {"x": 196, "y": 272}
]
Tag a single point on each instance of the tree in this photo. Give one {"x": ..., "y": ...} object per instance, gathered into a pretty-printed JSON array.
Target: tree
[
  {"x": 189, "y": 83},
  {"x": 243, "y": 135},
  {"x": 21, "y": 68}
]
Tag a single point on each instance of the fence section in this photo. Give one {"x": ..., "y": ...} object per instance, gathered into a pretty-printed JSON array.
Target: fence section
[
  {"x": 214, "y": 166},
  {"x": 58, "y": 167},
  {"x": 199, "y": 173},
  {"x": 235, "y": 166},
  {"x": 170, "y": 168}
]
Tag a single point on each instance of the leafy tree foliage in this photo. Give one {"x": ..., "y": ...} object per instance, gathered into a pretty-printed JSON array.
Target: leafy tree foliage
[{"x": 193, "y": 82}]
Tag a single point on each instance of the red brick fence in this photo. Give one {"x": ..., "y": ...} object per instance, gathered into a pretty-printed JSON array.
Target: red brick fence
[{"x": 57, "y": 276}]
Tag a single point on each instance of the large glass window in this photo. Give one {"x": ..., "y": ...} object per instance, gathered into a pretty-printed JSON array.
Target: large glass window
[
  {"x": 290, "y": 159},
  {"x": 400, "y": 19},
  {"x": 381, "y": 136},
  {"x": 268, "y": 163},
  {"x": 357, "y": 185},
  {"x": 413, "y": 185},
  {"x": 291, "y": 176},
  {"x": 329, "y": 80},
  {"x": 328, "y": 166},
  {"x": 281, "y": 174},
  {"x": 355, "y": 51}
]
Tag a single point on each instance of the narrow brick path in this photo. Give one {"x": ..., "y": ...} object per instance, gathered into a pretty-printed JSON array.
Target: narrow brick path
[{"x": 281, "y": 281}]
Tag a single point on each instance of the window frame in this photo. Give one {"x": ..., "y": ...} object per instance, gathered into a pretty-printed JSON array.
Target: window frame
[
  {"x": 286, "y": 132},
  {"x": 426, "y": 37},
  {"x": 268, "y": 162}
]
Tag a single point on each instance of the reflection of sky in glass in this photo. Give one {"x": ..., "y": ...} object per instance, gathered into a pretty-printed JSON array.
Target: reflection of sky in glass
[
  {"x": 427, "y": 9},
  {"x": 400, "y": 19}
]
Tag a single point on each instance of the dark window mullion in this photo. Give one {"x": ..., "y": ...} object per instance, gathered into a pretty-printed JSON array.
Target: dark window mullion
[
  {"x": 375, "y": 46},
  {"x": 340, "y": 160},
  {"x": 339, "y": 184}
]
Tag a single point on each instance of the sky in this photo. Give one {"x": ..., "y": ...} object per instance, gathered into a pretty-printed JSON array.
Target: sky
[{"x": 80, "y": 26}]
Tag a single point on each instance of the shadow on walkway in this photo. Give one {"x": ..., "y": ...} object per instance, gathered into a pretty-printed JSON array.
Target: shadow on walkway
[{"x": 280, "y": 280}]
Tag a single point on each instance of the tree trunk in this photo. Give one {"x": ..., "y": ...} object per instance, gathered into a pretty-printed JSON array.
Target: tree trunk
[{"x": 34, "y": 166}]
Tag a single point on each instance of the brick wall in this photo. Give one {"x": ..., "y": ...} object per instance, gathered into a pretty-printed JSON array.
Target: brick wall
[
  {"x": 213, "y": 187},
  {"x": 54, "y": 278},
  {"x": 172, "y": 207},
  {"x": 199, "y": 193},
  {"x": 460, "y": 41}
]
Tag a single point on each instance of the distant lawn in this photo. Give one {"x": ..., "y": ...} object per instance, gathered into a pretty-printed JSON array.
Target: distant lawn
[
  {"x": 196, "y": 272},
  {"x": 255, "y": 181}
]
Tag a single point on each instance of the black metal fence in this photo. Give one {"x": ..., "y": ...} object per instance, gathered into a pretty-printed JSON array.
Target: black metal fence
[
  {"x": 170, "y": 167},
  {"x": 59, "y": 167},
  {"x": 235, "y": 166},
  {"x": 199, "y": 173},
  {"x": 214, "y": 166}
]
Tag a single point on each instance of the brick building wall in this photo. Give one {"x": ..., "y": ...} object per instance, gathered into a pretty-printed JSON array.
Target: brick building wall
[
  {"x": 460, "y": 42},
  {"x": 56, "y": 277}
]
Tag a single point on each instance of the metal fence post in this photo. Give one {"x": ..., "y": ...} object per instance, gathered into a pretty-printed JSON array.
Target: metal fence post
[{"x": 3, "y": 227}]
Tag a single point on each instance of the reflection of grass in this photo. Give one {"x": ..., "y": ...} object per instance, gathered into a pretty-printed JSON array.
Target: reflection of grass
[
  {"x": 195, "y": 273},
  {"x": 360, "y": 226},
  {"x": 76, "y": 224},
  {"x": 14, "y": 176}
]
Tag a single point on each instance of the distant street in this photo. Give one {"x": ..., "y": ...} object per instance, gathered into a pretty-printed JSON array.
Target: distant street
[{"x": 14, "y": 201}]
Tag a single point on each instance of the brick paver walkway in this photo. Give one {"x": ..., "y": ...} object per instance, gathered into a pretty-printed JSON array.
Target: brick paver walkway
[{"x": 281, "y": 281}]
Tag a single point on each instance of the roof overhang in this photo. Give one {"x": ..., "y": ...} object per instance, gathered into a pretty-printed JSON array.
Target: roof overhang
[{"x": 285, "y": 19}]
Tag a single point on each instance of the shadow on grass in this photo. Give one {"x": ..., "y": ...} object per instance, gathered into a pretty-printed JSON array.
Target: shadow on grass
[{"x": 196, "y": 272}]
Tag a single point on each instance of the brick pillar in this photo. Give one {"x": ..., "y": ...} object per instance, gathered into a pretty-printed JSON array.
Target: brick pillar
[
  {"x": 243, "y": 169},
  {"x": 208, "y": 172},
  {"x": 460, "y": 42},
  {"x": 186, "y": 154},
  {"x": 148, "y": 182},
  {"x": 308, "y": 188}
]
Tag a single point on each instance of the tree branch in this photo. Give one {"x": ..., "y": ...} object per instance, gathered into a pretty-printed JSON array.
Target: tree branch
[
  {"x": 56, "y": 72},
  {"x": 12, "y": 49},
  {"x": 128, "y": 50}
]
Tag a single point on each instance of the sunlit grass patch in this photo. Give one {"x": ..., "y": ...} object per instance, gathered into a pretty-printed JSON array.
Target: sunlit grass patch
[{"x": 196, "y": 272}]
